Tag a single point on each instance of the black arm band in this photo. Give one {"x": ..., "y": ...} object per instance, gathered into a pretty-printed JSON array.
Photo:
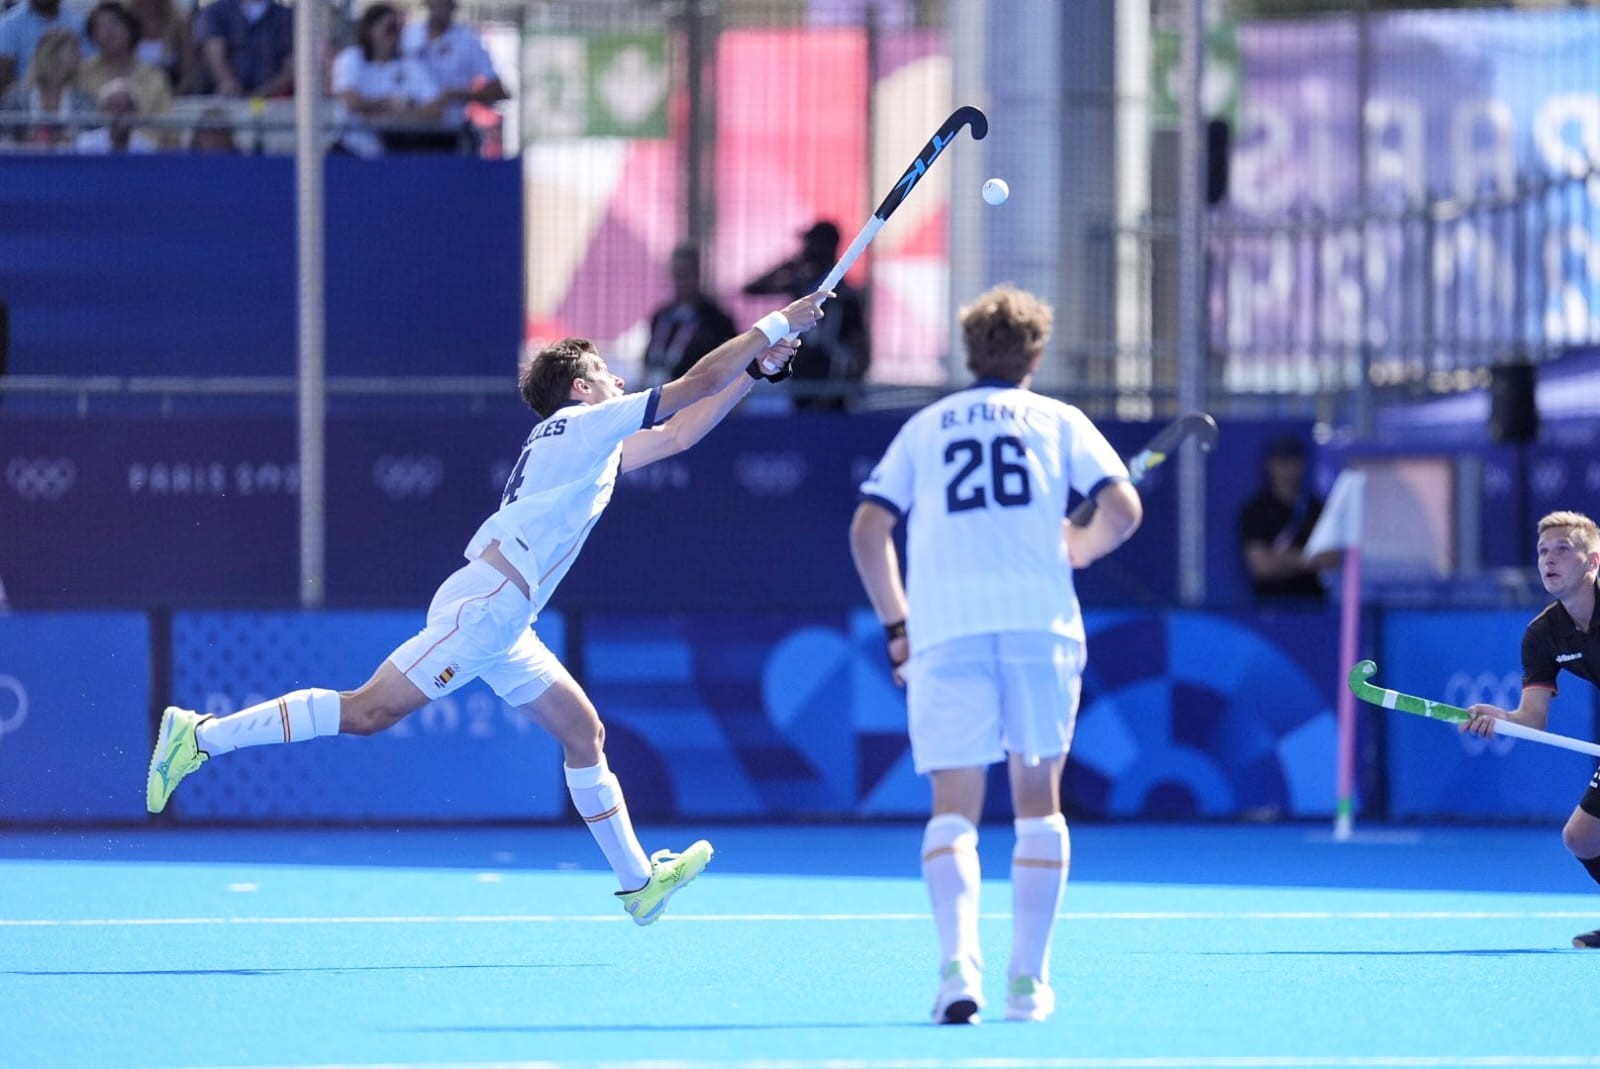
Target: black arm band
[
  {"x": 753, "y": 369},
  {"x": 894, "y": 630}
]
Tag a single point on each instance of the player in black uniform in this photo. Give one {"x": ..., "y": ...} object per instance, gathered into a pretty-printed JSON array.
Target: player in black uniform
[{"x": 1566, "y": 635}]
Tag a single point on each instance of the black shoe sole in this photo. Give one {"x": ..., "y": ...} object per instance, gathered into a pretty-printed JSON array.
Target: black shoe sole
[{"x": 961, "y": 1011}]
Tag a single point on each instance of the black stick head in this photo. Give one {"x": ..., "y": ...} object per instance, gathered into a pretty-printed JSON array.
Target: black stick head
[{"x": 969, "y": 116}]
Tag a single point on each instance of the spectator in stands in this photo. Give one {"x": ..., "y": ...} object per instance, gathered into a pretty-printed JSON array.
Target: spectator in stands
[
  {"x": 456, "y": 59},
  {"x": 119, "y": 109},
  {"x": 837, "y": 354},
  {"x": 246, "y": 48},
  {"x": 688, "y": 326},
  {"x": 214, "y": 133},
  {"x": 49, "y": 92},
  {"x": 115, "y": 33},
  {"x": 374, "y": 81},
  {"x": 1275, "y": 524},
  {"x": 20, "y": 30},
  {"x": 165, "y": 43}
]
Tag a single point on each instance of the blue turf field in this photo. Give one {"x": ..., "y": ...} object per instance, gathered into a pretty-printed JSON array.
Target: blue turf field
[{"x": 801, "y": 948}]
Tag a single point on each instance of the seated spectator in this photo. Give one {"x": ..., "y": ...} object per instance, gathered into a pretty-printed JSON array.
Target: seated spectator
[
  {"x": 50, "y": 93},
  {"x": 166, "y": 44},
  {"x": 22, "y": 26},
  {"x": 115, "y": 33},
  {"x": 119, "y": 110},
  {"x": 214, "y": 133},
  {"x": 372, "y": 80},
  {"x": 456, "y": 58},
  {"x": 246, "y": 48}
]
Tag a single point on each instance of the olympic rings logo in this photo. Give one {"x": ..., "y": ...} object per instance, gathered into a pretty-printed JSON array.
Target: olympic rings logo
[
  {"x": 1484, "y": 688},
  {"x": 41, "y": 478},
  {"x": 13, "y": 711},
  {"x": 771, "y": 474},
  {"x": 408, "y": 477}
]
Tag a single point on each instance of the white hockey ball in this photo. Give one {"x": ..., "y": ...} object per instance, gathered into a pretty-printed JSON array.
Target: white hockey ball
[{"x": 995, "y": 191}]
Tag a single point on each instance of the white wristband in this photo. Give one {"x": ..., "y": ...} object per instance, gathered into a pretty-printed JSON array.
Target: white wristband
[{"x": 774, "y": 326}]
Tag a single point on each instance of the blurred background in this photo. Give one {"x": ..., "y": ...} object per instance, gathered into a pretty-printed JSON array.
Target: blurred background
[{"x": 266, "y": 274}]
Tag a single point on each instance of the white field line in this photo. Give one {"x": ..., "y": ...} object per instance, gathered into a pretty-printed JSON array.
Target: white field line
[
  {"x": 1247, "y": 1061},
  {"x": 806, "y": 918}
]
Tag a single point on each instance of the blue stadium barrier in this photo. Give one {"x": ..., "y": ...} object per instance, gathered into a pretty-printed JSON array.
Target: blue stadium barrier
[
  {"x": 74, "y": 716},
  {"x": 465, "y": 757},
  {"x": 1434, "y": 771}
]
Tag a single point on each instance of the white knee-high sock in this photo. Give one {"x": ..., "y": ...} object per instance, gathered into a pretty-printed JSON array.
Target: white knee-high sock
[
  {"x": 951, "y": 871},
  {"x": 1039, "y": 864},
  {"x": 598, "y": 798},
  {"x": 295, "y": 717}
]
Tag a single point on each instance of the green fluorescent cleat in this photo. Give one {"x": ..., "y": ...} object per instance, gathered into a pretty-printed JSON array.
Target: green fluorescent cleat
[
  {"x": 176, "y": 755},
  {"x": 669, "y": 874}
]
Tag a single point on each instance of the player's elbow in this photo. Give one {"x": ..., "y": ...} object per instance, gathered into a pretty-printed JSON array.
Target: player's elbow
[{"x": 1122, "y": 509}]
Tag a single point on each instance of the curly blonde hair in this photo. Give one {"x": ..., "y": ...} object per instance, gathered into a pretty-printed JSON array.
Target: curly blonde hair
[{"x": 1005, "y": 331}]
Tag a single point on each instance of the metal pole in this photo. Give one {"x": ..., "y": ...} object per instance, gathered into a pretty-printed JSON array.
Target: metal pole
[
  {"x": 697, "y": 226},
  {"x": 967, "y": 35},
  {"x": 1191, "y": 305},
  {"x": 312, "y": 393}
]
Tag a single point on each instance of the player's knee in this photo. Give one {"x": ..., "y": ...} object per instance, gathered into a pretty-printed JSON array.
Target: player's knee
[{"x": 367, "y": 718}]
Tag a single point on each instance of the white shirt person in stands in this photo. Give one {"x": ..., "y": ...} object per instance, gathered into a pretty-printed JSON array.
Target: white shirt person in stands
[
  {"x": 985, "y": 632},
  {"x": 372, "y": 80},
  {"x": 454, "y": 55},
  {"x": 480, "y": 623}
]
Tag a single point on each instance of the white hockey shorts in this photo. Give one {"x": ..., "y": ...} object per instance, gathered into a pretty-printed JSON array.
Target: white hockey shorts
[
  {"x": 479, "y": 627},
  {"x": 974, "y": 699}
]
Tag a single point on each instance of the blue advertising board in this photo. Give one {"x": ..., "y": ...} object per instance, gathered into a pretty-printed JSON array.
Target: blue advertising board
[
  {"x": 1462, "y": 658},
  {"x": 467, "y": 756},
  {"x": 74, "y": 716},
  {"x": 204, "y": 514},
  {"x": 743, "y": 715}
]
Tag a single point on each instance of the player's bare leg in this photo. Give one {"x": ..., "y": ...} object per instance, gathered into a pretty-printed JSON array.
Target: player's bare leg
[
  {"x": 950, "y": 869},
  {"x": 1582, "y": 837},
  {"x": 566, "y": 712},
  {"x": 1039, "y": 863}
]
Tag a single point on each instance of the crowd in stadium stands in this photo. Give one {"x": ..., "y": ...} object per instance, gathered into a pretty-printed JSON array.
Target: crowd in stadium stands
[{"x": 150, "y": 76}]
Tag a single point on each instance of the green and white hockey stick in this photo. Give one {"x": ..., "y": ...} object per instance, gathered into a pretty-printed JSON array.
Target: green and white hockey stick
[{"x": 1452, "y": 714}]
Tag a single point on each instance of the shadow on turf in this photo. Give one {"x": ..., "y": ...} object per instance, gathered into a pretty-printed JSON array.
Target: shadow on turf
[
  {"x": 791, "y": 1026},
  {"x": 1498, "y": 953},
  {"x": 283, "y": 972}
]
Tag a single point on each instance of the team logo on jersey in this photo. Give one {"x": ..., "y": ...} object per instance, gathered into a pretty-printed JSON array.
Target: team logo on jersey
[
  {"x": 443, "y": 679},
  {"x": 1563, "y": 658}
]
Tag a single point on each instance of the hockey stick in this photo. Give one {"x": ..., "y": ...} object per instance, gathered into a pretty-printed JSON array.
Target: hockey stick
[
  {"x": 1197, "y": 425},
  {"x": 963, "y": 116},
  {"x": 1407, "y": 703}
]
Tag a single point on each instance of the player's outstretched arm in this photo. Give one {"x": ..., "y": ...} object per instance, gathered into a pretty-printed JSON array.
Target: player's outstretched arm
[
  {"x": 1118, "y": 512},
  {"x": 691, "y": 424},
  {"x": 727, "y": 361}
]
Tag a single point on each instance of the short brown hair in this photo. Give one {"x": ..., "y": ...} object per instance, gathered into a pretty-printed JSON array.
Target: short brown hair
[
  {"x": 1005, "y": 331},
  {"x": 546, "y": 381},
  {"x": 1585, "y": 535}
]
